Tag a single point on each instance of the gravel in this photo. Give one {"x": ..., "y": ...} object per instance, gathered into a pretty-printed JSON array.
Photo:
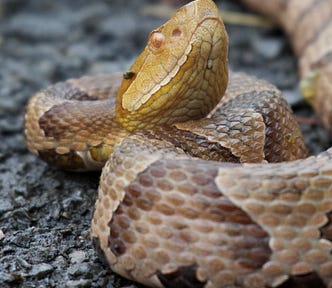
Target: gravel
[{"x": 44, "y": 212}]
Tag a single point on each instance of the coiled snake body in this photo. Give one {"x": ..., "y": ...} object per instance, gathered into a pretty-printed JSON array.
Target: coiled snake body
[{"x": 165, "y": 218}]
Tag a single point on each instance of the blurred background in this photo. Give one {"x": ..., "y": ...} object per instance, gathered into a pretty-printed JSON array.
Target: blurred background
[{"x": 45, "y": 213}]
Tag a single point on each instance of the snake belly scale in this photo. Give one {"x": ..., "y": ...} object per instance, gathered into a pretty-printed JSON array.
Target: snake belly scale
[{"x": 205, "y": 180}]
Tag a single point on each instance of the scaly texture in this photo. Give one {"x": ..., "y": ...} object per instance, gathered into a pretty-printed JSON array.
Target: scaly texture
[
  {"x": 309, "y": 25},
  {"x": 163, "y": 216}
]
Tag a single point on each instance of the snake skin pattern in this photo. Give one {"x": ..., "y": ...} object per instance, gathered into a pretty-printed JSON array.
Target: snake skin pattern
[{"x": 178, "y": 205}]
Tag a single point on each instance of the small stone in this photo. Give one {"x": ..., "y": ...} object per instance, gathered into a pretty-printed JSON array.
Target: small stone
[
  {"x": 23, "y": 263},
  {"x": 2, "y": 234},
  {"x": 41, "y": 270},
  {"x": 78, "y": 283},
  {"x": 79, "y": 269},
  {"x": 60, "y": 262},
  {"x": 77, "y": 256}
]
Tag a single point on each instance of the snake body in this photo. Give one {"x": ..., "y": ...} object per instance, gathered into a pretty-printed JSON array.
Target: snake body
[{"x": 163, "y": 216}]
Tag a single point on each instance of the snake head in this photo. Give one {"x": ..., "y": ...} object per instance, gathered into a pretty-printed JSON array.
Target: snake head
[{"x": 182, "y": 72}]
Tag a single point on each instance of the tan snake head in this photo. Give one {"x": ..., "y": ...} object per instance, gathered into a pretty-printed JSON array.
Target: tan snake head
[{"x": 181, "y": 74}]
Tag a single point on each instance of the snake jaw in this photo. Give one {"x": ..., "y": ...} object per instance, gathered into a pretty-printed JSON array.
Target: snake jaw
[{"x": 175, "y": 59}]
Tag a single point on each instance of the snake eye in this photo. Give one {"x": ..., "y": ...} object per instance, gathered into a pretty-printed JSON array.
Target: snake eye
[
  {"x": 176, "y": 32},
  {"x": 157, "y": 40}
]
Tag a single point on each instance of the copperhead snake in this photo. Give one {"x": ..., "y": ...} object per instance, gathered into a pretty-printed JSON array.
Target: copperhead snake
[{"x": 165, "y": 218}]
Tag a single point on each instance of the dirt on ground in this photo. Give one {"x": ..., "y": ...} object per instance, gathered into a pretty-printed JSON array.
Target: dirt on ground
[{"x": 45, "y": 213}]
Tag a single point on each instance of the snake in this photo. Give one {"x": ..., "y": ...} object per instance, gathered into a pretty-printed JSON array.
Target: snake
[{"x": 205, "y": 180}]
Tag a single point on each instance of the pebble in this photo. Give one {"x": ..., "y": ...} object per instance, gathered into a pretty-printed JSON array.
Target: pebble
[
  {"x": 77, "y": 256},
  {"x": 60, "y": 262},
  {"x": 78, "y": 283},
  {"x": 23, "y": 263},
  {"x": 41, "y": 270},
  {"x": 2, "y": 235},
  {"x": 79, "y": 269}
]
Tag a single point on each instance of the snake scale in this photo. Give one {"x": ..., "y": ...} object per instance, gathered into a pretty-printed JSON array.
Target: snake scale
[{"x": 177, "y": 205}]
